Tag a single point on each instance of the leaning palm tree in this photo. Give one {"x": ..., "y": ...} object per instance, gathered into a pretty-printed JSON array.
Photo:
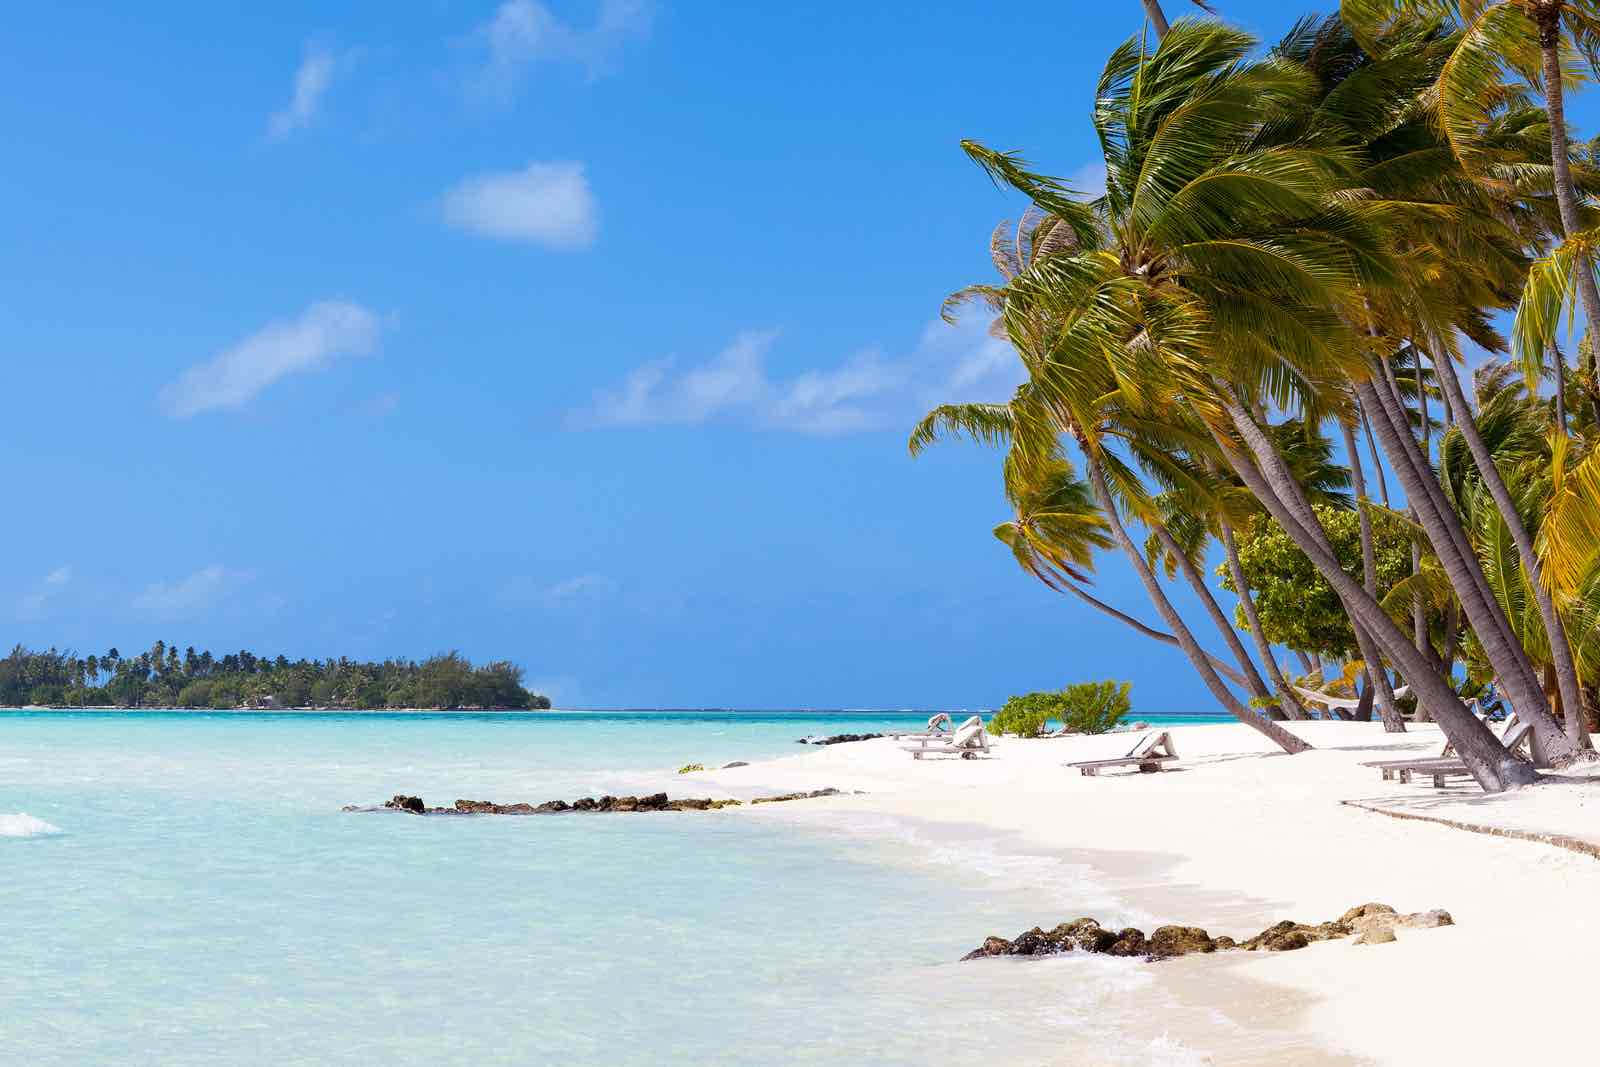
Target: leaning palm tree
[
  {"x": 1056, "y": 526},
  {"x": 1217, "y": 276}
]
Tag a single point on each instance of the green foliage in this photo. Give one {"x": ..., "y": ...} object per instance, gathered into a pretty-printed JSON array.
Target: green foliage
[
  {"x": 1095, "y": 707},
  {"x": 1086, "y": 707},
  {"x": 1298, "y": 608},
  {"x": 162, "y": 677},
  {"x": 689, "y": 767}
]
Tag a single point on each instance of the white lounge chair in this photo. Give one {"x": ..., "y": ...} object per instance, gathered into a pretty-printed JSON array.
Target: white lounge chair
[
  {"x": 938, "y": 726},
  {"x": 969, "y": 740},
  {"x": 1150, "y": 753}
]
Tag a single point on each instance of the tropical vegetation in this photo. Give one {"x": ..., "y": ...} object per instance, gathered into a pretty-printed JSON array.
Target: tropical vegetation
[
  {"x": 1081, "y": 708},
  {"x": 162, "y": 677},
  {"x": 1296, "y": 246}
]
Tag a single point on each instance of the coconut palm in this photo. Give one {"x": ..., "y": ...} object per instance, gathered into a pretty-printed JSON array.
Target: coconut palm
[
  {"x": 1056, "y": 526},
  {"x": 1220, "y": 274}
]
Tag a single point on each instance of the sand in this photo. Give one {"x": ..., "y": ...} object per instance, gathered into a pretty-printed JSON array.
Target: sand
[{"x": 1239, "y": 836}]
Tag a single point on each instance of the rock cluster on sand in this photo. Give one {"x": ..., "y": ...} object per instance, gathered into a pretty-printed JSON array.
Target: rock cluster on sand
[
  {"x": 838, "y": 739},
  {"x": 653, "y": 802},
  {"x": 1371, "y": 923}
]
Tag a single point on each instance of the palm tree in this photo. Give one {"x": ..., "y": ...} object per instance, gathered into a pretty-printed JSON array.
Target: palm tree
[
  {"x": 1056, "y": 525},
  {"x": 1214, "y": 274}
]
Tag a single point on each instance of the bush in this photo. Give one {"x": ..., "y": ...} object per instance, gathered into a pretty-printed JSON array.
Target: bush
[
  {"x": 687, "y": 767},
  {"x": 1095, "y": 707},
  {"x": 1087, "y": 708}
]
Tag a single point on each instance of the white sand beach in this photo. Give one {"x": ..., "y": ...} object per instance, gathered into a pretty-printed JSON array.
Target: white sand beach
[{"x": 1238, "y": 836}]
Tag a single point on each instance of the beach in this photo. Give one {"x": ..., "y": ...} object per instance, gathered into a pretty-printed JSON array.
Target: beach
[
  {"x": 189, "y": 880},
  {"x": 1238, "y": 836}
]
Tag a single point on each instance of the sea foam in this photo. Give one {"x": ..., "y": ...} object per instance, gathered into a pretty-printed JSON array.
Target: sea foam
[{"x": 24, "y": 825}]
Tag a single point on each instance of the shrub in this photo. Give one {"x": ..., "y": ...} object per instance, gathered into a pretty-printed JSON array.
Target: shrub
[
  {"x": 1088, "y": 707},
  {"x": 1095, "y": 707},
  {"x": 687, "y": 767}
]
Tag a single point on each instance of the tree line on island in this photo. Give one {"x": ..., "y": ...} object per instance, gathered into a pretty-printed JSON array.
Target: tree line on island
[
  {"x": 165, "y": 678},
  {"x": 1292, "y": 247}
]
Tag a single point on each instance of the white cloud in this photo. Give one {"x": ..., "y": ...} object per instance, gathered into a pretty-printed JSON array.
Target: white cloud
[
  {"x": 548, "y": 204},
  {"x": 311, "y": 81},
  {"x": 189, "y": 596},
  {"x": 1089, "y": 181},
  {"x": 580, "y": 587},
  {"x": 867, "y": 391},
  {"x": 32, "y": 605},
  {"x": 525, "y": 32},
  {"x": 322, "y": 333}
]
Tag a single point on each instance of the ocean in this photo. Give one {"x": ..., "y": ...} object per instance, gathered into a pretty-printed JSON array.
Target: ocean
[{"x": 183, "y": 888}]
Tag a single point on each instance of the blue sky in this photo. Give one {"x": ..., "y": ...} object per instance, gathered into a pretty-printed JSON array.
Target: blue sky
[{"x": 584, "y": 334}]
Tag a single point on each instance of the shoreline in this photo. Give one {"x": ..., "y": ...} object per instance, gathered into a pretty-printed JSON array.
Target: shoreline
[{"x": 1237, "y": 837}]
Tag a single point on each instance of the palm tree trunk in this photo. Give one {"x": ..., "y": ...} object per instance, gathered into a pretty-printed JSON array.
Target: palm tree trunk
[
  {"x": 1506, "y": 657},
  {"x": 1369, "y": 577},
  {"x": 1560, "y": 647},
  {"x": 1561, "y": 390},
  {"x": 1548, "y": 19},
  {"x": 1493, "y": 767},
  {"x": 1165, "y": 638},
  {"x": 1268, "y": 457},
  {"x": 1419, "y": 620},
  {"x": 1158, "y": 18},
  {"x": 1254, "y": 683},
  {"x": 1377, "y": 463},
  {"x": 1286, "y": 695},
  {"x": 1097, "y": 480}
]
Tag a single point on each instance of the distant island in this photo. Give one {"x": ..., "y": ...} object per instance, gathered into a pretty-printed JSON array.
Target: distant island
[{"x": 165, "y": 678}]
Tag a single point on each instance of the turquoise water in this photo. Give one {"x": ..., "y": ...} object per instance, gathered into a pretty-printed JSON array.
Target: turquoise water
[{"x": 181, "y": 888}]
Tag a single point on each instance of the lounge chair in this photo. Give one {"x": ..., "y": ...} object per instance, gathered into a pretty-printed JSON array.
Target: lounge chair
[
  {"x": 968, "y": 741},
  {"x": 938, "y": 726},
  {"x": 1517, "y": 735},
  {"x": 1149, "y": 754}
]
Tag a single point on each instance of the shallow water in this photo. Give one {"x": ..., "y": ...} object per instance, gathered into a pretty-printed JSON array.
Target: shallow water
[{"x": 183, "y": 889}]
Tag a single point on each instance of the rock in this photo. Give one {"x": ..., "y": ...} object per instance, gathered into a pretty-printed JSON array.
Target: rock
[
  {"x": 1373, "y": 924},
  {"x": 1290, "y": 935},
  {"x": 838, "y": 739},
  {"x": 1427, "y": 920},
  {"x": 735, "y": 763},
  {"x": 1365, "y": 911},
  {"x": 992, "y": 946},
  {"x": 1086, "y": 935},
  {"x": 584, "y": 804},
  {"x": 554, "y": 806},
  {"x": 1034, "y": 942},
  {"x": 475, "y": 807},
  {"x": 830, "y": 792},
  {"x": 1168, "y": 941},
  {"x": 405, "y": 803},
  {"x": 1129, "y": 942}
]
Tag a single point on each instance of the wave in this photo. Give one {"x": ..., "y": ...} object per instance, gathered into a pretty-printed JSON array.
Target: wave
[{"x": 24, "y": 825}]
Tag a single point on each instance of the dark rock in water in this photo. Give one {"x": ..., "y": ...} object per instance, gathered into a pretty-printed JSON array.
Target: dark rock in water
[
  {"x": 1374, "y": 923},
  {"x": 830, "y": 792},
  {"x": 651, "y": 802},
  {"x": 838, "y": 739},
  {"x": 735, "y": 763},
  {"x": 1169, "y": 941}
]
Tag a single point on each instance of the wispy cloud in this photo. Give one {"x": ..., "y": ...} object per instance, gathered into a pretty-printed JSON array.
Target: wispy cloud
[
  {"x": 866, "y": 391},
  {"x": 525, "y": 32},
  {"x": 566, "y": 591},
  {"x": 311, "y": 81},
  {"x": 190, "y": 596},
  {"x": 322, "y": 333},
  {"x": 32, "y": 605},
  {"x": 548, "y": 204}
]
